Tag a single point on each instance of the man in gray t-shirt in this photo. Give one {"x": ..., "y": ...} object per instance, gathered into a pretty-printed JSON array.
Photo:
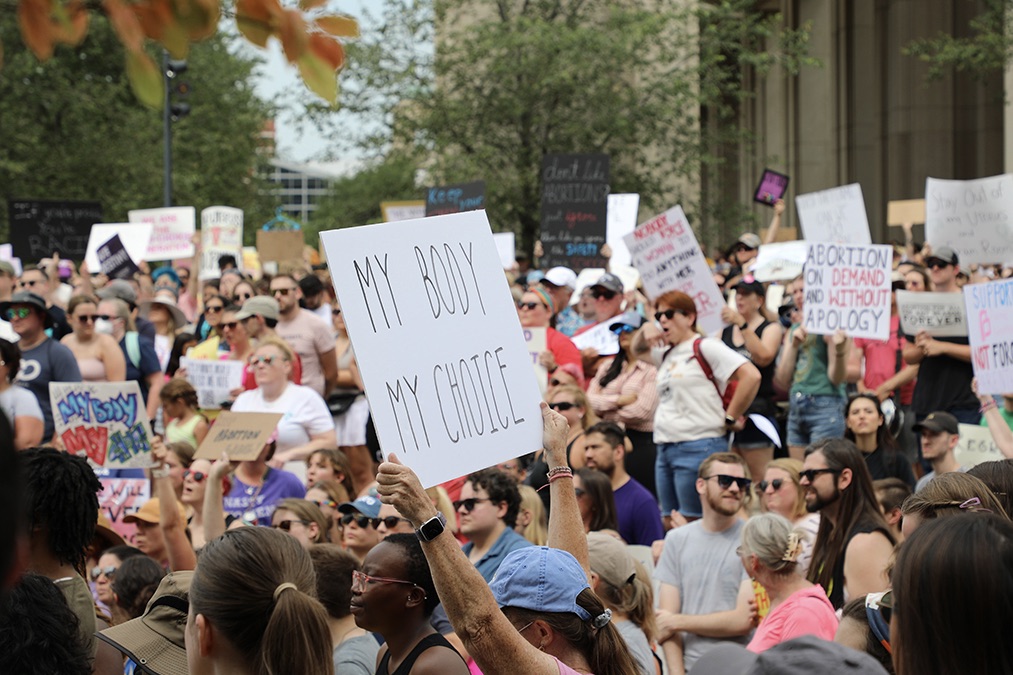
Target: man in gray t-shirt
[{"x": 705, "y": 592}]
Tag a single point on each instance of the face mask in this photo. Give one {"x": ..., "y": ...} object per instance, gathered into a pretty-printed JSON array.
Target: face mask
[{"x": 104, "y": 326}]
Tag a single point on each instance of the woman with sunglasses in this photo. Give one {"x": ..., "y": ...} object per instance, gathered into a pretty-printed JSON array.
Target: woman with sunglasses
[
  {"x": 781, "y": 493},
  {"x": 243, "y": 291},
  {"x": 102, "y": 574},
  {"x": 19, "y": 404},
  {"x": 327, "y": 494},
  {"x": 98, "y": 356},
  {"x": 306, "y": 424},
  {"x": 195, "y": 482},
  {"x": 208, "y": 328},
  {"x": 692, "y": 421},
  {"x": 302, "y": 520},
  {"x": 571, "y": 402},
  {"x": 868, "y": 429},
  {"x": 535, "y": 310},
  {"x": 359, "y": 534},
  {"x": 623, "y": 390}
]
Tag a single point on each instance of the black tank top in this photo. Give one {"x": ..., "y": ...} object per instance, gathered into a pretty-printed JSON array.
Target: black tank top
[
  {"x": 836, "y": 591},
  {"x": 433, "y": 640},
  {"x": 763, "y": 404}
]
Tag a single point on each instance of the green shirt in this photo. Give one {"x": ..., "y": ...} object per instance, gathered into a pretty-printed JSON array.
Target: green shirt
[
  {"x": 1006, "y": 415},
  {"x": 811, "y": 369}
]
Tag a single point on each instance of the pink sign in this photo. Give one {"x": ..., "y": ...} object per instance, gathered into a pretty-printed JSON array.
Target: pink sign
[
  {"x": 119, "y": 498},
  {"x": 772, "y": 187}
]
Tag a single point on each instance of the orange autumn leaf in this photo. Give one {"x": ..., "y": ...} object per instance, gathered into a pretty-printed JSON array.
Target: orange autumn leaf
[
  {"x": 339, "y": 26},
  {"x": 306, "y": 5},
  {"x": 327, "y": 50},
  {"x": 154, "y": 16},
  {"x": 293, "y": 34},
  {"x": 257, "y": 20},
  {"x": 71, "y": 23},
  {"x": 145, "y": 79},
  {"x": 319, "y": 76},
  {"x": 126, "y": 25},
  {"x": 36, "y": 28}
]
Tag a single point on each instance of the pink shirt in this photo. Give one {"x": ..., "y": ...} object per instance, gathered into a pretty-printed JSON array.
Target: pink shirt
[
  {"x": 805, "y": 612},
  {"x": 309, "y": 337},
  {"x": 881, "y": 360}
]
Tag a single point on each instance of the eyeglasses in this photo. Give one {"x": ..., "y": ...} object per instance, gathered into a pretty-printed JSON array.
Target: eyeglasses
[
  {"x": 562, "y": 406},
  {"x": 529, "y": 305},
  {"x": 283, "y": 291},
  {"x": 525, "y": 627},
  {"x": 598, "y": 293},
  {"x": 360, "y": 579},
  {"x": 106, "y": 317},
  {"x": 213, "y": 309},
  {"x": 668, "y": 314},
  {"x": 19, "y": 312},
  {"x": 198, "y": 476},
  {"x": 97, "y": 571},
  {"x": 619, "y": 330},
  {"x": 469, "y": 504},
  {"x": 811, "y": 474},
  {"x": 266, "y": 360},
  {"x": 231, "y": 325},
  {"x": 776, "y": 484},
  {"x": 86, "y": 318},
  {"x": 390, "y": 522},
  {"x": 330, "y": 503},
  {"x": 286, "y": 525},
  {"x": 362, "y": 521},
  {"x": 725, "y": 481}
]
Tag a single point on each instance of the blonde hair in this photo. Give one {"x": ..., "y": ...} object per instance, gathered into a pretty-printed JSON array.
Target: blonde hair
[
  {"x": 580, "y": 398},
  {"x": 537, "y": 530},
  {"x": 307, "y": 510},
  {"x": 774, "y": 541},
  {"x": 793, "y": 468}
]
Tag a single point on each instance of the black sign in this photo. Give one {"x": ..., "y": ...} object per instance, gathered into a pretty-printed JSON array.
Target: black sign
[
  {"x": 455, "y": 198},
  {"x": 772, "y": 187},
  {"x": 39, "y": 228},
  {"x": 115, "y": 260},
  {"x": 575, "y": 192}
]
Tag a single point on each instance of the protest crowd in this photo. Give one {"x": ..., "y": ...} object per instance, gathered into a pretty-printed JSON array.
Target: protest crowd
[{"x": 741, "y": 475}]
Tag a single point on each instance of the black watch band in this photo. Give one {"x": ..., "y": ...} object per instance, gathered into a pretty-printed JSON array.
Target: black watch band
[{"x": 432, "y": 528}]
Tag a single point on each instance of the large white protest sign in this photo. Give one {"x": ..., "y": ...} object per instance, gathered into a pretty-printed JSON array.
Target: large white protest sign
[
  {"x": 534, "y": 338},
  {"x": 106, "y": 422},
  {"x": 781, "y": 261},
  {"x": 620, "y": 221},
  {"x": 600, "y": 338},
  {"x": 213, "y": 379},
  {"x": 836, "y": 215},
  {"x": 938, "y": 314},
  {"x": 990, "y": 332},
  {"x": 438, "y": 342},
  {"x": 394, "y": 212},
  {"x": 669, "y": 258},
  {"x": 506, "y": 248},
  {"x": 172, "y": 236},
  {"x": 976, "y": 446},
  {"x": 973, "y": 217},
  {"x": 847, "y": 287},
  {"x": 221, "y": 233},
  {"x": 133, "y": 237}
]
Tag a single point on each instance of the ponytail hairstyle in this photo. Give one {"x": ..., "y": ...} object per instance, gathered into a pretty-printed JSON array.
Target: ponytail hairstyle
[{"x": 257, "y": 587}]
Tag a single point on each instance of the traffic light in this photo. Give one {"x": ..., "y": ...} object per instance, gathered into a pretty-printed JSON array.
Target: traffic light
[{"x": 178, "y": 89}]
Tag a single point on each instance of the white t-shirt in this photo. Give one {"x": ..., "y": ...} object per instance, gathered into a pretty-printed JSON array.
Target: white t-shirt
[
  {"x": 304, "y": 413},
  {"x": 19, "y": 402},
  {"x": 689, "y": 407}
]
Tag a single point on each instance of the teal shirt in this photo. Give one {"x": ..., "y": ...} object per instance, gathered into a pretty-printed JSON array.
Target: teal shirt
[
  {"x": 1006, "y": 415},
  {"x": 811, "y": 369}
]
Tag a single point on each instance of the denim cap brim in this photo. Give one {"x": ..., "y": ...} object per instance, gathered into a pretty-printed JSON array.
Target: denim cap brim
[{"x": 541, "y": 579}]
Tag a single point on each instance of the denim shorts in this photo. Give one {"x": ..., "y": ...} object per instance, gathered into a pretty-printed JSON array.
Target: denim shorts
[
  {"x": 675, "y": 473},
  {"x": 812, "y": 418}
]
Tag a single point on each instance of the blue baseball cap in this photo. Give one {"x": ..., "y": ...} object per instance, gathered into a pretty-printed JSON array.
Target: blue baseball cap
[
  {"x": 541, "y": 579},
  {"x": 367, "y": 506}
]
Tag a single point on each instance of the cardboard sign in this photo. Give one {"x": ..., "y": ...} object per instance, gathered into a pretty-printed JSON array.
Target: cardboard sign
[
  {"x": 600, "y": 338},
  {"x": 938, "y": 314},
  {"x": 221, "y": 233},
  {"x": 394, "y": 212},
  {"x": 905, "y": 211},
  {"x": 438, "y": 342},
  {"x": 973, "y": 217},
  {"x": 990, "y": 332},
  {"x": 835, "y": 215},
  {"x": 240, "y": 435},
  {"x": 621, "y": 220},
  {"x": 121, "y": 497},
  {"x": 976, "y": 446},
  {"x": 506, "y": 248},
  {"x": 666, "y": 253},
  {"x": 114, "y": 260},
  {"x": 847, "y": 288},
  {"x": 133, "y": 237},
  {"x": 455, "y": 198},
  {"x": 213, "y": 380},
  {"x": 782, "y": 261},
  {"x": 772, "y": 186},
  {"x": 575, "y": 192},
  {"x": 280, "y": 245},
  {"x": 172, "y": 233},
  {"x": 534, "y": 338},
  {"x": 40, "y": 228},
  {"x": 107, "y": 422}
]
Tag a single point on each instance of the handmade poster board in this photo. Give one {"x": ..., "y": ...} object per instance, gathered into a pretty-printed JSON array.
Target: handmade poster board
[
  {"x": 280, "y": 246},
  {"x": 772, "y": 187},
  {"x": 456, "y": 198},
  {"x": 114, "y": 260},
  {"x": 975, "y": 446},
  {"x": 600, "y": 338},
  {"x": 506, "y": 247},
  {"x": 121, "y": 497},
  {"x": 40, "y": 228},
  {"x": 621, "y": 220},
  {"x": 534, "y": 338},
  {"x": 438, "y": 342},
  {"x": 905, "y": 211},
  {"x": 240, "y": 435},
  {"x": 990, "y": 332},
  {"x": 848, "y": 287},
  {"x": 575, "y": 191},
  {"x": 836, "y": 215},
  {"x": 973, "y": 217},
  {"x": 394, "y": 212},
  {"x": 938, "y": 314},
  {"x": 107, "y": 422},
  {"x": 133, "y": 237},
  {"x": 172, "y": 231},
  {"x": 781, "y": 261},
  {"x": 221, "y": 233},
  {"x": 213, "y": 380}
]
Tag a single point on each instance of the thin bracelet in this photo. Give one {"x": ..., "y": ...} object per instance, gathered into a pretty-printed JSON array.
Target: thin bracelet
[
  {"x": 160, "y": 471},
  {"x": 987, "y": 405},
  {"x": 559, "y": 472}
]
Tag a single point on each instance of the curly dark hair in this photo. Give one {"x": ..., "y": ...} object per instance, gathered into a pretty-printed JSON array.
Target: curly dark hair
[
  {"x": 39, "y": 632},
  {"x": 135, "y": 582},
  {"x": 61, "y": 500},
  {"x": 416, "y": 567},
  {"x": 10, "y": 354},
  {"x": 501, "y": 488}
]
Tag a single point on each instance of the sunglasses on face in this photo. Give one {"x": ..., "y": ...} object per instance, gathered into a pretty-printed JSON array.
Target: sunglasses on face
[
  {"x": 27, "y": 283},
  {"x": 231, "y": 325},
  {"x": 198, "y": 476},
  {"x": 619, "y": 330},
  {"x": 19, "y": 313},
  {"x": 562, "y": 406},
  {"x": 329, "y": 503},
  {"x": 97, "y": 571},
  {"x": 940, "y": 264},
  {"x": 213, "y": 309},
  {"x": 86, "y": 318},
  {"x": 668, "y": 314},
  {"x": 239, "y": 297},
  {"x": 529, "y": 305},
  {"x": 282, "y": 291},
  {"x": 598, "y": 293},
  {"x": 362, "y": 521},
  {"x": 390, "y": 522},
  {"x": 776, "y": 484},
  {"x": 811, "y": 474},
  {"x": 359, "y": 581},
  {"x": 469, "y": 504},
  {"x": 266, "y": 360},
  {"x": 286, "y": 525},
  {"x": 725, "y": 481},
  {"x": 106, "y": 317}
]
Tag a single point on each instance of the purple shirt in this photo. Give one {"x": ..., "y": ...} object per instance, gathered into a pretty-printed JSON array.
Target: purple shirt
[
  {"x": 278, "y": 485},
  {"x": 638, "y": 514}
]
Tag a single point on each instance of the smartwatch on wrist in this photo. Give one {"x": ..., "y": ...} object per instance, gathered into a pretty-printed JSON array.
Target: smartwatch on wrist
[
  {"x": 432, "y": 528},
  {"x": 730, "y": 421}
]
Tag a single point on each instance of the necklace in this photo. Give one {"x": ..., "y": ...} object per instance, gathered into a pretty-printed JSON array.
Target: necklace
[{"x": 252, "y": 492}]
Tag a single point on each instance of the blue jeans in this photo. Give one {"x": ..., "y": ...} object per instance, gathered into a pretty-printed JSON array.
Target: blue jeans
[
  {"x": 812, "y": 418},
  {"x": 675, "y": 473}
]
